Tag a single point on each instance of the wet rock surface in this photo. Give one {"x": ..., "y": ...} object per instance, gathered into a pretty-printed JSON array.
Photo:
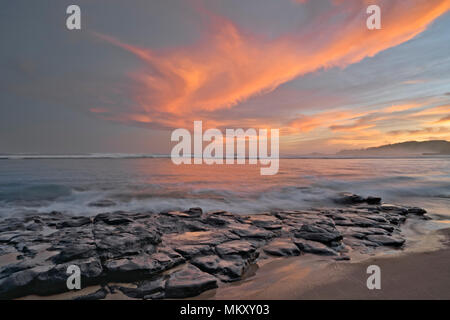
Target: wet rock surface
[
  {"x": 282, "y": 247},
  {"x": 315, "y": 247},
  {"x": 189, "y": 281},
  {"x": 182, "y": 253}
]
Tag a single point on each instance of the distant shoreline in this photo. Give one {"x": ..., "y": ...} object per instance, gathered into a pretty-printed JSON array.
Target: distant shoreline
[
  {"x": 118, "y": 157},
  {"x": 408, "y": 149}
]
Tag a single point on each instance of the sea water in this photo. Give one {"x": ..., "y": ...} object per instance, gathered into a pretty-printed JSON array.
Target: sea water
[{"x": 137, "y": 184}]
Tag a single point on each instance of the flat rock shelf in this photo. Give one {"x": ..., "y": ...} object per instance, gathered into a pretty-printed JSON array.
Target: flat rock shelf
[{"x": 181, "y": 254}]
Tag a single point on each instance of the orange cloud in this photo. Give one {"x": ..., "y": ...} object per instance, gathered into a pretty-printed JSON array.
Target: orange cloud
[
  {"x": 306, "y": 123},
  {"x": 439, "y": 110},
  {"x": 402, "y": 107},
  {"x": 353, "y": 128},
  {"x": 438, "y": 132},
  {"x": 231, "y": 65},
  {"x": 444, "y": 120},
  {"x": 344, "y": 120}
]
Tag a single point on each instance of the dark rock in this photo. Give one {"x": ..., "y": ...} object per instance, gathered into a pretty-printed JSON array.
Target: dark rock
[
  {"x": 386, "y": 227},
  {"x": 268, "y": 222},
  {"x": 35, "y": 250},
  {"x": 314, "y": 247},
  {"x": 369, "y": 243},
  {"x": 48, "y": 279},
  {"x": 152, "y": 286},
  {"x": 34, "y": 227},
  {"x": 102, "y": 203},
  {"x": 393, "y": 208},
  {"x": 198, "y": 238},
  {"x": 282, "y": 248},
  {"x": 74, "y": 222},
  {"x": 144, "y": 289},
  {"x": 17, "y": 284},
  {"x": 143, "y": 265},
  {"x": 168, "y": 258},
  {"x": 248, "y": 231},
  {"x": 97, "y": 295},
  {"x": 134, "y": 293},
  {"x": 189, "y": 281},
  {"x": 385, "y": 240},
  {"x": 11, "y": 225},
  {"x": 217, "y": 220},
  {"x": 190, "y": 251},
  {"x": 133, "y": 268},
  {"x": 231, "y": 269},
  {"x": 7, "y": 236},
  {"x": 6, "y": 249},
  {"x": 236, "y": 247},
  {"x": 319, "y": 233},
  {"x": 191, "y": 213},
  {"x": 417, "y": 211},
  {"x": 344, "y": 222},
  {"x": 120, "y": 241},
  {"x": 373, "y": 200},
  {"x": 353, "y": 242},
  {"x": 113, "y": 219},
  {"x": 395, "y": 219},
  {"x": 349, "y": 198},
  {"x": 342, "y": 258},
  {"x": 194, "y": 212},
  {"x": 363, "y": 222},
  {"x": 361, "y": 233},
  {"x": 74, "y": 252},
  {"x": 178, "y": 214},
  {"x": 54, "y": 280},
  {"x": 376, "y": 218},
  {"x": 155, "y": 296},
  {"x": 192, "y": 225},
  {"x": 17, "y": 266}
]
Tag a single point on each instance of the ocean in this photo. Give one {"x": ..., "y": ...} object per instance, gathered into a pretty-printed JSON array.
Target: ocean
[{"x": 76, "y": 184}]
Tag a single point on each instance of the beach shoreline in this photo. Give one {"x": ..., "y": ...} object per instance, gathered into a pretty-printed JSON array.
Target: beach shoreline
[{"x": 416, "y": 273}]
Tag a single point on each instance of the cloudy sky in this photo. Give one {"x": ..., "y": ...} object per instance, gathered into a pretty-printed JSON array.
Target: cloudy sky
[{"x": 140, "y": 68}]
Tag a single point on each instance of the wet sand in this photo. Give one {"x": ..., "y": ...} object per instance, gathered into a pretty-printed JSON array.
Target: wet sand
[
  {"x": 411, "y": 274},
  {"x": 414, "y": 276}
]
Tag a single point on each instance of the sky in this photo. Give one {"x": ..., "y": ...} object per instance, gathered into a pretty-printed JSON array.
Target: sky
[{"x": 139, "y": 69}]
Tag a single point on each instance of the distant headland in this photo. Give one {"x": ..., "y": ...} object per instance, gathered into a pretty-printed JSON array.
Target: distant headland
[{"x": 432, "y": 147}]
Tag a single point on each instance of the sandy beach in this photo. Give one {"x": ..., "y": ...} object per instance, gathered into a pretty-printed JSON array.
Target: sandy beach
[{"x": 412, "y": 274}]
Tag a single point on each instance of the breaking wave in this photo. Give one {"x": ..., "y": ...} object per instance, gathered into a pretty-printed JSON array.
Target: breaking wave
[{"x": 96, "y": 185}]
